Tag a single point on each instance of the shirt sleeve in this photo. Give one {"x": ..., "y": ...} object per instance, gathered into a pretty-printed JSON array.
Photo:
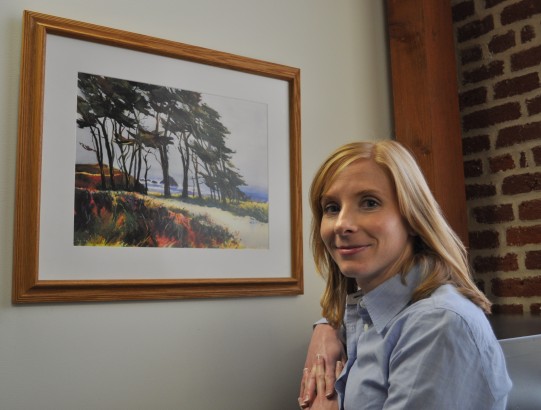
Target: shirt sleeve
[{"x": 438, "y": 362}]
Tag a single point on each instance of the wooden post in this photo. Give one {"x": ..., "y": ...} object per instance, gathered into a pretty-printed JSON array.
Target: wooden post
[{"x": 425, "y": 98}]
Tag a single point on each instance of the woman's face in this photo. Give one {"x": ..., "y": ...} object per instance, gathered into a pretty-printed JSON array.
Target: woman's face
[{"x": 361, "y": 224}]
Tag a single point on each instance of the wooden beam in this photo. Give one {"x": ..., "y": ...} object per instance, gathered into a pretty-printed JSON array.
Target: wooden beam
[{"x": 425, "y": 98}]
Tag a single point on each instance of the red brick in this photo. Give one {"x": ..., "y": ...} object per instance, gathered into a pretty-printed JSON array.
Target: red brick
[
  {"x": 485, "y": 72},
  {"x": 533, "y": 260},
  {"x": 473, "y": 168},
  {"x": 523, "y": 235},
  {"x": 471, "y": 54},
  {"x": 462, "y": 11},
  {"x": 502, "y": 42},
  {"x": 518, "y": 133},
  {"x": 492, "y": 3},
  {"x": 526, "y": 58},
  {"x": 474, "y": 191},
  {"x": 491, "y": 116},
  {"x": 527, "y": 34},
  {"x": 501, "y": 163},
  {"x": 534, "y": 105},
  {"x": 519, "y": 11},
  {"x": 472, "y": 145},
  {"x": 483, "y": 240},
  {"x": 530, "y": 210},
  {"x": 473, "y": 97},
  {"x": 516, "y": 86},
  {"x": 537, "y": 155},
  {"x": 475, "y": 29},
  {"x": 492, "y": 214},
  {"x": 526, "y": 287},
  {"x": 507, "y": 263},
  {"x": 513, "y": 309},
  {"x": 520, "y": 184},
  {"x": 535, "y": 309}
]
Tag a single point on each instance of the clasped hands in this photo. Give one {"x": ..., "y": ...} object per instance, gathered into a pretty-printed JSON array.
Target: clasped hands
[{"x": 324, "y": 363}]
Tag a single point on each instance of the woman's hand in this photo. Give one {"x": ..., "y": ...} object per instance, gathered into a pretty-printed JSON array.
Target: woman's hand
[
  {"x": 326, "y": 343},
  {"x": 322, "y": 400}
]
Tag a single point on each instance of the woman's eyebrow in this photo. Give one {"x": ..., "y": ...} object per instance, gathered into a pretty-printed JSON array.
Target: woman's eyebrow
[
  {"x": 369, "y": 192},
  {"x": 325, "y": 198}
]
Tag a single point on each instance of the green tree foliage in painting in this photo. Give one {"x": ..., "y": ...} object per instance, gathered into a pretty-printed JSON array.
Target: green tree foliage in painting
[{"x": 129, "y": 122}]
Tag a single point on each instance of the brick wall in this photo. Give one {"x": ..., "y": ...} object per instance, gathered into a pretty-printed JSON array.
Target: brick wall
[{"x": 498, "y": 46}]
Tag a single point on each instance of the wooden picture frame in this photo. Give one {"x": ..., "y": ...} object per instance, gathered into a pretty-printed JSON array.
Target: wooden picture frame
[{"x": 47, "y": 264}]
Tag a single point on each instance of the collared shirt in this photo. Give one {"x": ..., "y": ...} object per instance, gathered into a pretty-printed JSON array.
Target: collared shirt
[{"x": 437, "y": 353}]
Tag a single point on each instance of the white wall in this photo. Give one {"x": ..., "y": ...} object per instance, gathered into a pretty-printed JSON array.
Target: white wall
[{"x": 200, "y": 354}]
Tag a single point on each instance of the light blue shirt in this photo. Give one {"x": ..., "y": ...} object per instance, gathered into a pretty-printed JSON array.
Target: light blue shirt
[{"x": 438, "y": 353}]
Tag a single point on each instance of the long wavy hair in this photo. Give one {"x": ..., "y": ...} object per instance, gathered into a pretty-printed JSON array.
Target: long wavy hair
[{"x": 438, "y": 251}]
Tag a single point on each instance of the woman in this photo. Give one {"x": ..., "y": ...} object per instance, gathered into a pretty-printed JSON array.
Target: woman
[{"x": 399, "y": 286}]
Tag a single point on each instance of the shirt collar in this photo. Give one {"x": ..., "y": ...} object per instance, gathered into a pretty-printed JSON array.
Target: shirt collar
[{"x": 388, "y": 299}]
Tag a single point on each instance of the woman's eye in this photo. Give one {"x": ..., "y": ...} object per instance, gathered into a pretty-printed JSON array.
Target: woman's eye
[
  {"x": 369, "y": 203},
  {"x": 330, "y": 208}
]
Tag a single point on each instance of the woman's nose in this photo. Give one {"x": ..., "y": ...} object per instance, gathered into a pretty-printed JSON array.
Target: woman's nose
[{"x": 345, "y": 222}]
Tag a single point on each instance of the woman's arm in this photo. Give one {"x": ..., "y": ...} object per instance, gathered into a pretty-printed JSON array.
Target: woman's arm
[{"x": 326, "y": 343}]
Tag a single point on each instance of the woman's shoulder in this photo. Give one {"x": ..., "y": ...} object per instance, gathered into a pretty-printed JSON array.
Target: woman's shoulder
[
  {"x": 447, "y": 298},
  {"x": 459, "y": 328},
  {"x": 451, "y": 312},
  {"x": 447, "y": 329}
]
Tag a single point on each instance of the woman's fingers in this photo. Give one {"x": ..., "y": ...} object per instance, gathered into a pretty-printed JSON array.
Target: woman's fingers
[
  {"x": 304, "y": 395},
  {"x": 320, "y": 378},
  {"x": 310, "y": 386},
  {"x": 330, "y": 378},
  {"x": 339, "y": 368},
  {"x": 331, "y": 373},
  {"x": 320, "y": 374}
]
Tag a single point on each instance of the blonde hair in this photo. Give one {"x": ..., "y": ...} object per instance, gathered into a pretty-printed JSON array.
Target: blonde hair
[{"x": 438, "y": 251}]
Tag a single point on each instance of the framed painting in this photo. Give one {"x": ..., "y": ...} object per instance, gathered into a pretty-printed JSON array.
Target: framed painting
[{"x": 152, "y": 169}]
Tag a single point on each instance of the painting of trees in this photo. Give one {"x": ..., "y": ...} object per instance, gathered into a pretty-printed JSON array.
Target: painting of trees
[{"x": 131, "y": 127}]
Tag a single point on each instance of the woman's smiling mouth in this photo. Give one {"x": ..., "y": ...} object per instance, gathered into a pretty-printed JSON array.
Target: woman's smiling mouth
[{"x": 350, "y": 249}]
